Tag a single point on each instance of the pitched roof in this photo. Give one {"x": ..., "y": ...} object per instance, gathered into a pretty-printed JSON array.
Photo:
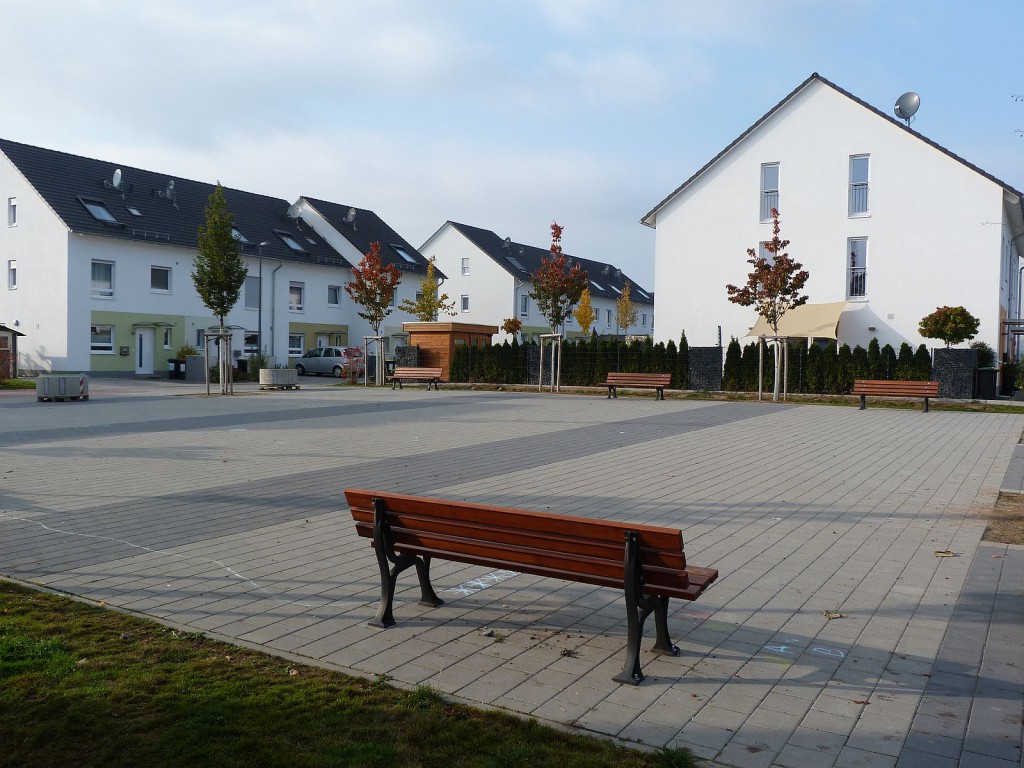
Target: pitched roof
[
  {"x": 367, "y": 227},
  {"x": 166, "y": 215},
  {"x": 521, "y": 261},
  {"x": 650, "y": 217}
]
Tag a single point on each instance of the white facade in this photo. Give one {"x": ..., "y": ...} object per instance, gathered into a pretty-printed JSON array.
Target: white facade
[
  {"x": 485, "y": 292},
  {"x": 935, "y": 231}
]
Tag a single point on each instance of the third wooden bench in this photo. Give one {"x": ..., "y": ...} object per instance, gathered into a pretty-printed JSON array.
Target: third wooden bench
[
  {"x": 430, "y": 375},
  {"x": 876, "y": 388},
  {"x": 655, "y": 381},
  {"x": 644, "y": 561}
]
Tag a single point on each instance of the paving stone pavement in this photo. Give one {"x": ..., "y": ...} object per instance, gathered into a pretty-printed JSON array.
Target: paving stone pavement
[{"x": 225, "y": 515}]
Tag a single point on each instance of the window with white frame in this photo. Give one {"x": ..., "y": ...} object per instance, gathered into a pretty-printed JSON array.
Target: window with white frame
[
  {"x": 859, "y": 170},
  {"x": 103, "y": 279},
  {"x": 296, "y": 344},
  {"x": 465, "y": 266},
  {"x": 524, "y": 306},
  {"x": 167, "y": 338},
  {"x": 764, "y": 253},
  {"x": 333, "y": 295},
  {"x": 250, "y": 343},
  {"x": 101, "y": 339},
  {"x": 465, "y": 303},
  {"x": 857, "y": 267},
  {"x": 608, "y": 318},
  {"x": 160, "y": 279},
  {"x": 643, "y": 319},
  {"x": 296, "y": 295},
  {"x": 200, "y": 339},
  {"x": 252, "y": 292},
  {"x": 12, "y": 274},
  {"x": 769, "y": 190},
  {"x": 12, "y": 211}
]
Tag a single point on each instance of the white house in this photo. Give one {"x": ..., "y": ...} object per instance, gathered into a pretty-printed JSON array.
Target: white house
[
  {"x": 889, "y": 224},
  {"x": 98, "y": 259},
  {"x": 489, "y": 277}
]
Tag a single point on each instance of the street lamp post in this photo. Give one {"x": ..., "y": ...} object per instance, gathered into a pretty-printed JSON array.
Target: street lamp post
[{"x": 259, "y": 306}]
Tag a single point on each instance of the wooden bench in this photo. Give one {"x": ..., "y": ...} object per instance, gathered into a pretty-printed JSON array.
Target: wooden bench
[
  {"x": 644, "y": 561},
  {"x": 875, "y": 388},
  {"x": 430, "y": 375},
  {"x": 656, "y": 381}
]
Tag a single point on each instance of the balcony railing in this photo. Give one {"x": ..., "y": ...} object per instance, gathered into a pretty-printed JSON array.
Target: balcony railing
[
  {"x": 858, "y": 198},
  {"x": 769, "y": 200},
  {"x": 856, "y": 284}
]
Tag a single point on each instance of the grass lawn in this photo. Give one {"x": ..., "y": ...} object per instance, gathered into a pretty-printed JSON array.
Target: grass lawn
[
  {"x": 17, "y": 384},
  {"x": 81, "y": 685}
]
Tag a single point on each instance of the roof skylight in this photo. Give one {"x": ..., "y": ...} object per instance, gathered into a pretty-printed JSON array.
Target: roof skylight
[
  {"x": 515, "y": 263},
  {"x": 403, "y": 253},
  {"x": 235, "y": 233},
  {"x": 133, "y": 210},
  {"x": 291, "y": 242},
  {"x": 599, "y": 287},
  {"x": 99, "y": 211}
]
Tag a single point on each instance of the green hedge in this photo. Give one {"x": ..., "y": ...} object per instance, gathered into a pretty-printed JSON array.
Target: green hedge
[{"x": 825, "y": 370}]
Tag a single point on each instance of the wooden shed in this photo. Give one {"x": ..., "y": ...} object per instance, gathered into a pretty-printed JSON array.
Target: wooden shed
[
  {"x": 9, "y": 352},
  {"x": 437, "y": 341}
]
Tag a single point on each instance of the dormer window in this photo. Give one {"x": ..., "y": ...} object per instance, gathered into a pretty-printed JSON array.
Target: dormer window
[
  {"x": 235, "y": 233},
  {"x": 99, "y": 211},
  {"x": 290, "y": 241},
  {"x": 400, "y": 250}
]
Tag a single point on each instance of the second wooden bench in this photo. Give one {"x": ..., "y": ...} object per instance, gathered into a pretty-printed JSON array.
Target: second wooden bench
[
  {"x": 879, "y": 388},
  {"x": 644, "y": 561},
  {"x": 655, "y": 381}
]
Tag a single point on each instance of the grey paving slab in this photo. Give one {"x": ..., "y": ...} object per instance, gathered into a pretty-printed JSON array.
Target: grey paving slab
[{"x": 225, "y": 515}]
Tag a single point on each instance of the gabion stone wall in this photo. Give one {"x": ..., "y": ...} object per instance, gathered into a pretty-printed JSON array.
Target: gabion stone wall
[
  {"x": 407, "y": 357},
  {"x": 706, "y": 368},
  {"x": 954, "y": 370}
]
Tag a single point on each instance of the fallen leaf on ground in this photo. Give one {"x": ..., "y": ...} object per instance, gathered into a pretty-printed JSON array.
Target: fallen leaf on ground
[
  {"x": 833, "y": 615},
  {"x": 944, "y": 553}
]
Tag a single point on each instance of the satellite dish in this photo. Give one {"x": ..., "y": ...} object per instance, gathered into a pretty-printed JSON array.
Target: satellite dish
[
  {"x": 907, "y": 105},
  {"x": 116, "y": 182},
  {"x": 350, "y": 216},
  {"x": 170, "y": 189},
  {"x": 508, "y": 243},
  {"x": 293, "y": 211}
]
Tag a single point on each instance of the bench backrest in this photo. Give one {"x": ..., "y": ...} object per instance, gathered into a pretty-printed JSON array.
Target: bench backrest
[
  {"x": 425, "y": 373},
  {"x": 559, "y": 546},
  {"x": 905, "y": 388},
  {"x": 659, "y": 379}
]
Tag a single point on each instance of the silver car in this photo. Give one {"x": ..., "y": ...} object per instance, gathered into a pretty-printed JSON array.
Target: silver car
[{"x": 338, "y": 361}]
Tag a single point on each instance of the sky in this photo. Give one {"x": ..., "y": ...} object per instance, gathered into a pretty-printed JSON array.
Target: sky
[{"x": 500, "y": 114}]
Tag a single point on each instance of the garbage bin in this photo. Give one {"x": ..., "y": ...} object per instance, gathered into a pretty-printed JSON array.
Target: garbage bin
[
  {"x": 1008, "y": 380},
  {"x": 175, "y": 369},
  {"x": 985, "y": 383}
]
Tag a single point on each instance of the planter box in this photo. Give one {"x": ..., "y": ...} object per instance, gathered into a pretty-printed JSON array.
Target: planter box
[
  {"x": 60, "y": 388},
  {"x": 279, "y": 378}
]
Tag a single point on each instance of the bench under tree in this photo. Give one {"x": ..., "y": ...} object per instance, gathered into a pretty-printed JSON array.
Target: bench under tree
[
  {"x": 644, "y": 561},
  {"x": 655, "y": 381},
  {"x": 879, "y": 388}
]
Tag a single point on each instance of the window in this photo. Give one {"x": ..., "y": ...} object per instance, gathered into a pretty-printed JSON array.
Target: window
[
  {"x": 859, "y": 167},
  {"x": 160, "y": 279},
  {"x": 133, "y": 210},
  {"x": 295, "y": 295},
  {"x": 598, "y": 286},
  {"x": 764, "y": 253},
  {"x": 465, "y": 266},
  {"x": 103, "y": 279},
  {"x": 102, "y": 339},
  {"x": 250, "y": 343},
  {"x": 769, "y": 190},
  {"x": 12, "y": 211},
  {"x": 334, "y": 295},
  {"x": 252, "y": 292},
  {"x": 235, "y": 233},
  {"x": 99, "y": 211},
  {"x": 524, "y": 306},
  {"x": 12, "y": 274},
  {"x": 290, "y": 241},
  {"x": 167, "y": 338},
  {"x": 608, "y": 317},
  {"x": 856, "y": 283},
  {"x": 400, "y": 250},
  {"x": 465, "y": 303},
  {"x": 296, "y": 343},
  {"x": 643, "y": 319}
]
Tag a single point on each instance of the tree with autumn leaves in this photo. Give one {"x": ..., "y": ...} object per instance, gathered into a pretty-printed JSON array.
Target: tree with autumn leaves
[
  {"x": 773, "y": 287},
  {"x": 584, "y": 313},
  {"x": 557, "y": 287},
  {"x": 625, "y": 310},
  {"x": 373, "y": 287},
  {"x": 429, "y": 303}
]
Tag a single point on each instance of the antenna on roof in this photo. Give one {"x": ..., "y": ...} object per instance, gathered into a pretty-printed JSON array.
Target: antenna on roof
[
  {"x": 508, "y": 243},
  {"x": 606, "y": 270},
  {"x": 116, "y": 182},
  {"x": 350, "y": 217},
  {"x": 168, "y": 193},
  {"x": 618, "y": 273},
  {"x": 907, "y": 106}
]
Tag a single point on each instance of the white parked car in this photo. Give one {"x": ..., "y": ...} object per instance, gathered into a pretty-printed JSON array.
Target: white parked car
[{"x": 338, "y": 361}]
